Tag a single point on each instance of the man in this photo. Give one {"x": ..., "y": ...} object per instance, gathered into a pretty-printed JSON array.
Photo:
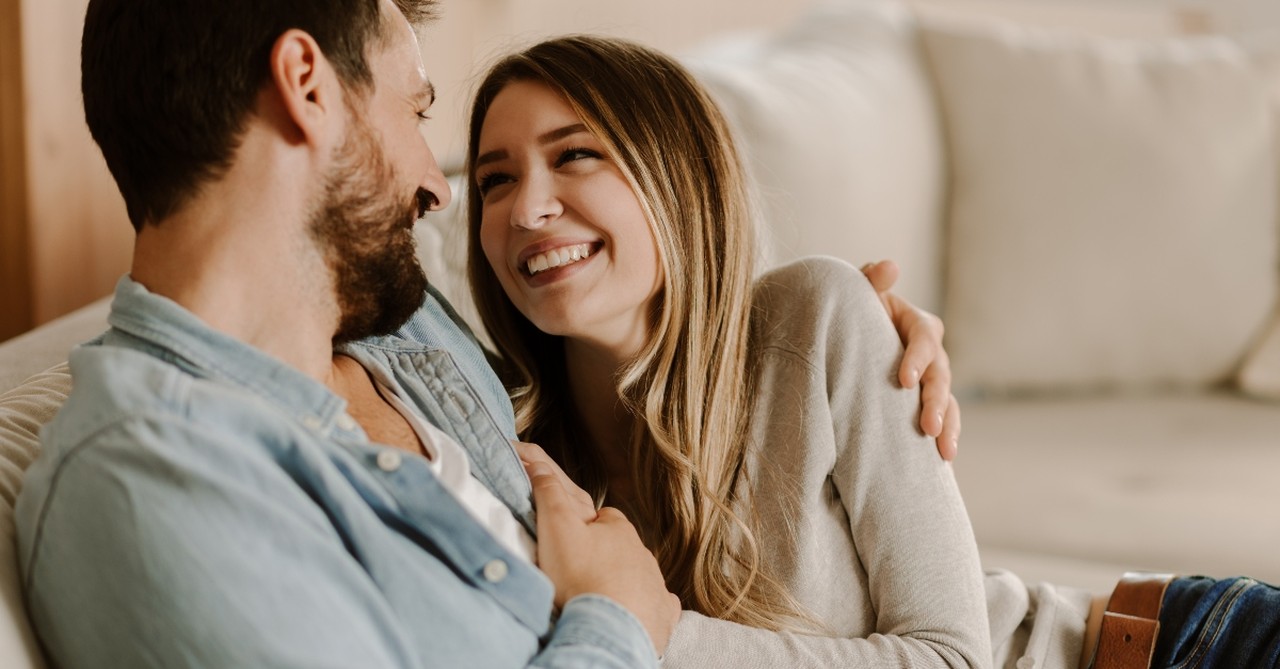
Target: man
[{"x": 285, "y": 452}]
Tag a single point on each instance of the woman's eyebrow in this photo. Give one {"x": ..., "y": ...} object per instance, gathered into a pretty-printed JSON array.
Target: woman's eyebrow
[
  {"x": 544, "y": 138},
  {"x": 492, "y": 156},
  {"x": 561, "y": 133}
]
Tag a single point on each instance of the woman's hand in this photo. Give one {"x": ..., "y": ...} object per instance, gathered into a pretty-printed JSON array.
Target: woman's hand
[
  {"x": 925, "y": 361},
  {"x": 583, "y": 550},
  {"x": 532, "y": 453},
  {"x": 602, "y": 555}
]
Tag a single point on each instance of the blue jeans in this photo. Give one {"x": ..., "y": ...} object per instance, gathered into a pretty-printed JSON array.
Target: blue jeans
[{"x": 1205, "y": 622}]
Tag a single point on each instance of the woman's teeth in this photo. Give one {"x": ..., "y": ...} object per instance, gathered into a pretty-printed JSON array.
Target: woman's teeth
[{"x": 557, "y": 258}]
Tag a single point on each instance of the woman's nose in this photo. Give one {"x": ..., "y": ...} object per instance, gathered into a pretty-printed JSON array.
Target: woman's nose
[{"x": 536, "y": 203}]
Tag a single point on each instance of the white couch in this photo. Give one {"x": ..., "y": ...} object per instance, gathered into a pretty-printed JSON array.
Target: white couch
[{"x": 1096, "y": 221}]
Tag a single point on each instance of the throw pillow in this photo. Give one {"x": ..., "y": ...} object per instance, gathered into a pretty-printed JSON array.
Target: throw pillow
[{"x": 1113, "y": 211}]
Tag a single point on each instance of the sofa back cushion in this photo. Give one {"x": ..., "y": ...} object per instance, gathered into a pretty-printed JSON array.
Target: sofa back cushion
[
  {"x": 838, "y": 126},
  {"x": 1260, "y": 373},
  {"x": 1113, "y": 215}
]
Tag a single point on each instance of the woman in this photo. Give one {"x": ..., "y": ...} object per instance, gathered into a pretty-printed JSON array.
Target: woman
[{"x": 747, "y": 427}]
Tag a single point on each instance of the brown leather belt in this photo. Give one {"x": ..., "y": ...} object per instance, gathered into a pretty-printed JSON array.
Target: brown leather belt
[{"x": 1131, "y": 622}]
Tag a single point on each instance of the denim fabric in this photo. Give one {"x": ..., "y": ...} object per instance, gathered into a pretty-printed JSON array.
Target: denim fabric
[
  {"x": 1231, "y": 623},
  {"x": 198, "y": 503}
]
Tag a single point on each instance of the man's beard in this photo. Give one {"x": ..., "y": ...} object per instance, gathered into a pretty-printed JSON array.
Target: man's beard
[{"x": 366, "y": 236}]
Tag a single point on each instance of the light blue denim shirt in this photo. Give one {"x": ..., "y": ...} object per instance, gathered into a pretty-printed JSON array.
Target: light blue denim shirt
[{"x": 199, "y": 503}]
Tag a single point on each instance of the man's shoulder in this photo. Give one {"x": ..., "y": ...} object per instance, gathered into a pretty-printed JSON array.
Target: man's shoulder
[
  {"x": 135, "y": 421},
  {"x": 111, "y": 383},
  {"x": 136, "y": 397},
  {"x": 117, "y": 392}
]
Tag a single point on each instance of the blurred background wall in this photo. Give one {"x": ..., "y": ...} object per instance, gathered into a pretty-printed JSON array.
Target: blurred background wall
[{"x": 64, "y": 236}]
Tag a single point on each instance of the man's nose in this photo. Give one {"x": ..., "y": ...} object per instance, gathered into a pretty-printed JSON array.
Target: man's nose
[{"x": 435, "y": 184}]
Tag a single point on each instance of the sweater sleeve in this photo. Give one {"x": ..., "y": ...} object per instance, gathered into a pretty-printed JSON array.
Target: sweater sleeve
[{"x": 915, "y": 556}]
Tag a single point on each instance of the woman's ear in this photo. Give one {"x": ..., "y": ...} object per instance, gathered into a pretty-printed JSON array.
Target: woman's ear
[{"x": 306, "y": 83}]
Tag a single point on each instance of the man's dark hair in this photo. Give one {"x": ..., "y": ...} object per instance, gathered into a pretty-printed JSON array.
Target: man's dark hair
[{"x": 168, "y": 84}]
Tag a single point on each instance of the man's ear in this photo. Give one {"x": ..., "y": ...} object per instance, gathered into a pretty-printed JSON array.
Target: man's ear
[{"x": 307, "y": 84}]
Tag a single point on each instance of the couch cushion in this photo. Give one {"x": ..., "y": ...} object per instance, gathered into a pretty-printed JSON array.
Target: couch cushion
[
  {"x": 1183, "y": 483},
  {"x": 839, "y": 130},
  {"x": 23, "y": 410},
  {"x": 1113, "y": 214},
  {"x": 1260, "y": 375},
  {"x": 50, "y": 343}
]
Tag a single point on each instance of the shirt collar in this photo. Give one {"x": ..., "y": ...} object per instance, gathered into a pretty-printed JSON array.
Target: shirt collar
[{"x": 182, "y": 338}]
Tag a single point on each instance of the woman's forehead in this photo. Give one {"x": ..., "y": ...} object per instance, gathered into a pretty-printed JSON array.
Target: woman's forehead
[{"x": 529, "y": 110}]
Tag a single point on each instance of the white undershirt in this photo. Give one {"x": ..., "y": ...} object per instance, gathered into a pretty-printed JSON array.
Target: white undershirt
[{"x": 450, "y": 464}]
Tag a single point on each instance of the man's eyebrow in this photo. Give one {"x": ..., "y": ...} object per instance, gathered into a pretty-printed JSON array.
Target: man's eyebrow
[
  {"x": 545, "y": 138},
  {"x": 427, "y": 92}
]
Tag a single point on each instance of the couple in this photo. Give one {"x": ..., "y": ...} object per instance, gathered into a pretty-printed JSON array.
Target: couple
[{"x": 287, "y": 452}]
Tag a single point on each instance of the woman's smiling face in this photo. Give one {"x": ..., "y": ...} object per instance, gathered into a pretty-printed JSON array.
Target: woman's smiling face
[{"x": 560, "y": 225}]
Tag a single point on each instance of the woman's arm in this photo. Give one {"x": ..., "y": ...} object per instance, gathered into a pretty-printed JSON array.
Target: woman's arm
[{"x": 880, "y": 547}]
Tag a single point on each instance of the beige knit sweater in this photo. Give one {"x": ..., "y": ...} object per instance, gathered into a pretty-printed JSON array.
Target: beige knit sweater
[{"x": 864, "y": 522}]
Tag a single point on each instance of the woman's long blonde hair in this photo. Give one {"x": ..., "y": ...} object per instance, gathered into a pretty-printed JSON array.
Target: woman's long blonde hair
[{"x": 690, "y": 386}]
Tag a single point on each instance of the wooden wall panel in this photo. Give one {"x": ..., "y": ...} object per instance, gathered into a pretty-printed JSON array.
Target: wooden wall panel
[
  {"x": 15, "y": 279},
  {"x": 80, "y": 237}
]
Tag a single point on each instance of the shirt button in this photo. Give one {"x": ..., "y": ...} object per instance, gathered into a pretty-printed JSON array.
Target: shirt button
[
  {"x": 495, "y": 571},
  {"x": 312, "y": 422},
  {"x": 389, "y": 460},
  {"x": 346, "y": 422}
]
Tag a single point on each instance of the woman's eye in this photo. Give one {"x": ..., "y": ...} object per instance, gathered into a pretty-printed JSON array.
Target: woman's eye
[
  {"x": 489, "y": 181},
  {"x": 570, "y": 155}
]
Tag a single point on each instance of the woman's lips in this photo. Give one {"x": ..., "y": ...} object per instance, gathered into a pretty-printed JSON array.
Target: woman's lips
[
  {"x": 556, "y": 258},
  {"x": 559, "y": 262},
  {"x": 553, "y": 254}
]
